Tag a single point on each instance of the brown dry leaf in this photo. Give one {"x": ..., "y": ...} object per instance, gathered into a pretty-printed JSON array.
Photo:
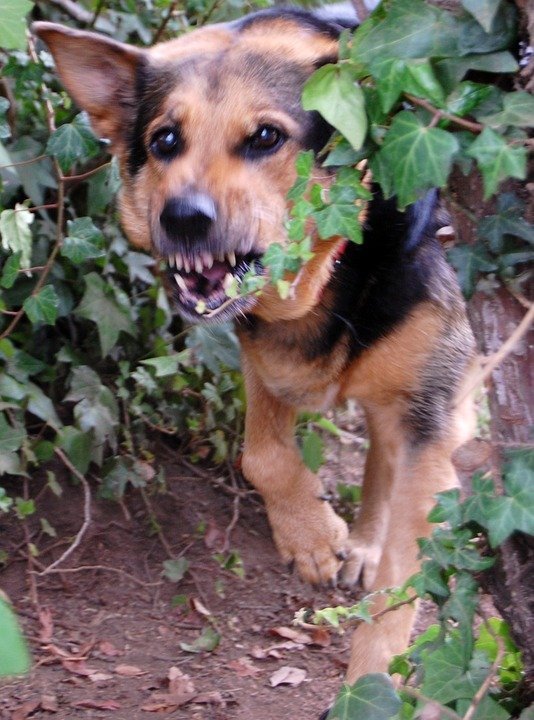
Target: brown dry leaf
[
  {"x": 179, "y": 682},
  {"x": 47, "y": 625},
  {"x": 287, "y": 675},
  {"x": 49, "y": 702},
  {"x": 97, "y": 704},
  {"x": 199, "y": 607},
  {"x": 27, "y": 708},
  {"x": 77, "y": 667},
  {"x": 108, "y": 649},
  {"x": 100, "y": 677},
  {"x": 259, "y": 653},
  {"x": 212, "y": 697},
  {"x": 292, "y": 634},
  {"x": 214, "y": 537},
  {"x": 129, "y": 671},
  {"x": 244, "y": 668},
  {"x": 321, "y": 636}
]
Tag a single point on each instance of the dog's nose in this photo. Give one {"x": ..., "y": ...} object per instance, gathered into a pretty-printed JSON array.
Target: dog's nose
[{"x": 188, "y": 217}]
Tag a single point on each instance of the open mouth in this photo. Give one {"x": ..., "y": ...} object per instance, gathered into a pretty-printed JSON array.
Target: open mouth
[{"x": 201, "y": 283}]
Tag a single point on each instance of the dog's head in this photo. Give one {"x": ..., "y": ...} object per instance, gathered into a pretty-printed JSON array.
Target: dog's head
[{"x": 206, "y": 128}]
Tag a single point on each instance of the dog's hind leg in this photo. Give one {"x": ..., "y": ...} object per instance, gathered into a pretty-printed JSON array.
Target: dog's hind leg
[{"x": 306, "y": 530}]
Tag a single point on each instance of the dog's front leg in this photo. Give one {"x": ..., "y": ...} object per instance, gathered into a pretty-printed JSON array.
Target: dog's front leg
[{"x": 306, "y": 530}]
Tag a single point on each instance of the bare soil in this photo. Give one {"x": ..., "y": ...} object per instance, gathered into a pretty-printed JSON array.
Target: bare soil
[{"x": 106, "y": 638}]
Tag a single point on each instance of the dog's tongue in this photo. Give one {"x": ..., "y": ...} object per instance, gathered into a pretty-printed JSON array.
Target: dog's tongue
[{"x": 216, "y": 272}]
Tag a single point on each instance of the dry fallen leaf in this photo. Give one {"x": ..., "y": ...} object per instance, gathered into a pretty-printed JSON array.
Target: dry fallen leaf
[
  {"x": 97, "y": 704},
  {"x": 100, "y": 677},
  {"x": 179, "y": 682},
  {"x": 287, "y": 675},
  {"x": 292, "y": 634},
  {"x": 200, "y": 608},
  {"x": 212, "y": 697},
  {"x": 27, "y": 708},
  {"x": 77, "y": 667},
  {"x": 244, "y": 668},
  {"x": 259, "y": 653},
  {"x": 129, "y": 671},
  {"x": 49, "y": 702},
  {"x": 47, "y": 625},
  {"x": 321, "y": 636},
  {"x": 108, "y": 649}
]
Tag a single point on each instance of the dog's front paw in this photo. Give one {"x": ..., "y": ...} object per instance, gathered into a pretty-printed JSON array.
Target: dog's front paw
[
  {"x": 311, "y": 536},
  {"x": 361, "y": 565}
]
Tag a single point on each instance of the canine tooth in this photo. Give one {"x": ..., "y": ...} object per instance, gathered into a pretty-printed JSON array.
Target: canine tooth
[
  {"x": 171, "y": 260},
  {"x": 187, "y": 266},
  {"x": 180, "y": 282},
  {"x": 231, "y": 258},
  {"x": 198, "y": 265},
  {"x": 208, "y": 260},
  {"x": 228, "y": 280},
  {"x": 179, "y": 262}
]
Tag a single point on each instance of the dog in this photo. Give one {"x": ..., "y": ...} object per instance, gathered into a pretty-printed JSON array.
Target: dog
[{"x": 206, "y": 129}]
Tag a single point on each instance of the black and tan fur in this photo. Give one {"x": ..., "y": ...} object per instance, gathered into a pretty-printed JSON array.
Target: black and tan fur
[{"x": 382, "y": 322}]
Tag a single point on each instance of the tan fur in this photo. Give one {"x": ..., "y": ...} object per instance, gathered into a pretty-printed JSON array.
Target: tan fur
[{"x": 215, "y": 116}]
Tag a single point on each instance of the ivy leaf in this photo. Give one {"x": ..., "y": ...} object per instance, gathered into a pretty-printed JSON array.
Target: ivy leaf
[
  {"x": 509, "y": 221},
  {"x": 73, "y": 141},
  {"x": 14, "y": 656},
  {"x": 469, "y": 261},
  {"x": 372, "y": 697},
  {"x": 518, "y": 110},
  {"x": 497, "y": 160},
  {"x": 466, "y": 97},
  {"x": 312, "y": 450},
  {"x": 338, "y": 220},
  {"x": 13, "y": 25},
  {"x": 411, "y": 29},
  {"x": 483, "y": 10},
  {"x": 42, "y": 309},
  {"x": 275, "y": 259},
  {"x": 5, "y": 130},
  {"x": 77, "y": 444},
  {"x": 10, "y": 438},
  {"x": 445, "y": 673},
  {"x": 515, "y": 510},
  {"x": 101, "y": 307},
  {"x": 419, "y": 156},
  {"x": 451, "y": 70},
  {"x": 16, "y": 234},
  {"x": 175, "y": 568},
  {"x": 206, "y": 642},
  {"x": 10, "y": 270},
  {"x": 332, "y": 91},
  {"x": 83, "y": 242}
]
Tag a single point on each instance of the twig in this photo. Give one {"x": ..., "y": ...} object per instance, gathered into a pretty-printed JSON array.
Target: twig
[
  {"x": 85, "y": 175},
  {"x": 497, "y": 357},
  {"x": 105, "y": 568},
  {"x": 467, "y": 124},
  {"x": 86, "y": 514},
  {"x": 161, "y": 29},
  {"x": 483, "y": 689},
  {"x": 24, "y": 162}
]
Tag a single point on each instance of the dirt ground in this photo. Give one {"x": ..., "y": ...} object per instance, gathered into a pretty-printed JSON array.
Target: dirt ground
[{"x": 111, "y": 640}]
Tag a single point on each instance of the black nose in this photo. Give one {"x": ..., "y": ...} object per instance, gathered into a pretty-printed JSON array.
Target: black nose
[{"x": 188, "y": 217}]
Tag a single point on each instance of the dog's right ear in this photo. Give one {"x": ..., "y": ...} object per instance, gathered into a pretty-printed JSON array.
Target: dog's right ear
[{"x": 98, "y": 73}]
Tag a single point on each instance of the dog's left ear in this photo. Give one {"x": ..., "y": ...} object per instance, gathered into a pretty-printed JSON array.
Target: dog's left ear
[{"x": 99, "y": 73}]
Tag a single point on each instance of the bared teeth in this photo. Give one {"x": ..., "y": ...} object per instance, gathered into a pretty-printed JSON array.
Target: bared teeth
[
  {"x": 231, "y": 258},
  {"x": 180, "y": 282},
  {"x": 171, "y": 260},
  {"x": 187, "y": 266},
  {"x": 179, "y": 261},
  {"x": 228, "y": 280},
  {"x": 208, "y": 260},
  {"x": 198, "y": 265}
]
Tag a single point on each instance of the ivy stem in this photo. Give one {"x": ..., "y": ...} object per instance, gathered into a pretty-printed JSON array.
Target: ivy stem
[
  {"x": 483, "y": 689},
  {"x": 474, "y": 127},
  {"x": 161, "y": 29},
  {"x": 24, "y": 162}
]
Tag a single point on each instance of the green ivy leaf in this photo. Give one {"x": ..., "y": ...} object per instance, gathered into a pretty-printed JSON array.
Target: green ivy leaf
[
  {"x": 338, "y": 220},
  {"x": 483, "y": 10},
  {"x": 175, "y": 568},
  {"x": 14, "y": 656},
  {"x": 16, "y": 234},
  {"x": 469, "y": 261},
  {"x": 73, "y": 141},
  {"x": 207, "y": 641},
  {"x": 167, "y": 364},
  {"x": 42, "y": 308},
  {"x": 497, "y": 160},
  {"x": 83, "y": 242},
  {"x": 518, "y": 110},
  {"x": 100, "y": 305},
  {"x": 10, "y": 270},
  {"x": 515, "y": 510},
  {"x": 465, "y": 97},
  {"x": 312, "y": 450},
  {"x": 10, "y": 438},
  {"x": 445, "y": 673},
  {"x": 5, "y": 130},
  {"x": 77, "y": 444},
  {"x": 275, "y": 259},
  {"x": 451, "y": 70},
  {"x": 419, "y": 157},
  {"x": 372, "y": 697},
  {"x": 332, "y": 90},
  {"x": 13, "y": 25}
]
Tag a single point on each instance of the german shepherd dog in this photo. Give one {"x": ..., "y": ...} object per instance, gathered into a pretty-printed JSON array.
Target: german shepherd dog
[{"x": 206, "y": 128}]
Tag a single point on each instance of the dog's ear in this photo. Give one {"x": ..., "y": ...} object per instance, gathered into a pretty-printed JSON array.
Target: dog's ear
[{"x": 97, "y": 72}]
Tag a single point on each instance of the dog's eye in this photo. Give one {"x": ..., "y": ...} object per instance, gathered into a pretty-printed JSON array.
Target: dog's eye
[
  {"x": 267, "y": 138},
  {"x": 166, "y": 143}
]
